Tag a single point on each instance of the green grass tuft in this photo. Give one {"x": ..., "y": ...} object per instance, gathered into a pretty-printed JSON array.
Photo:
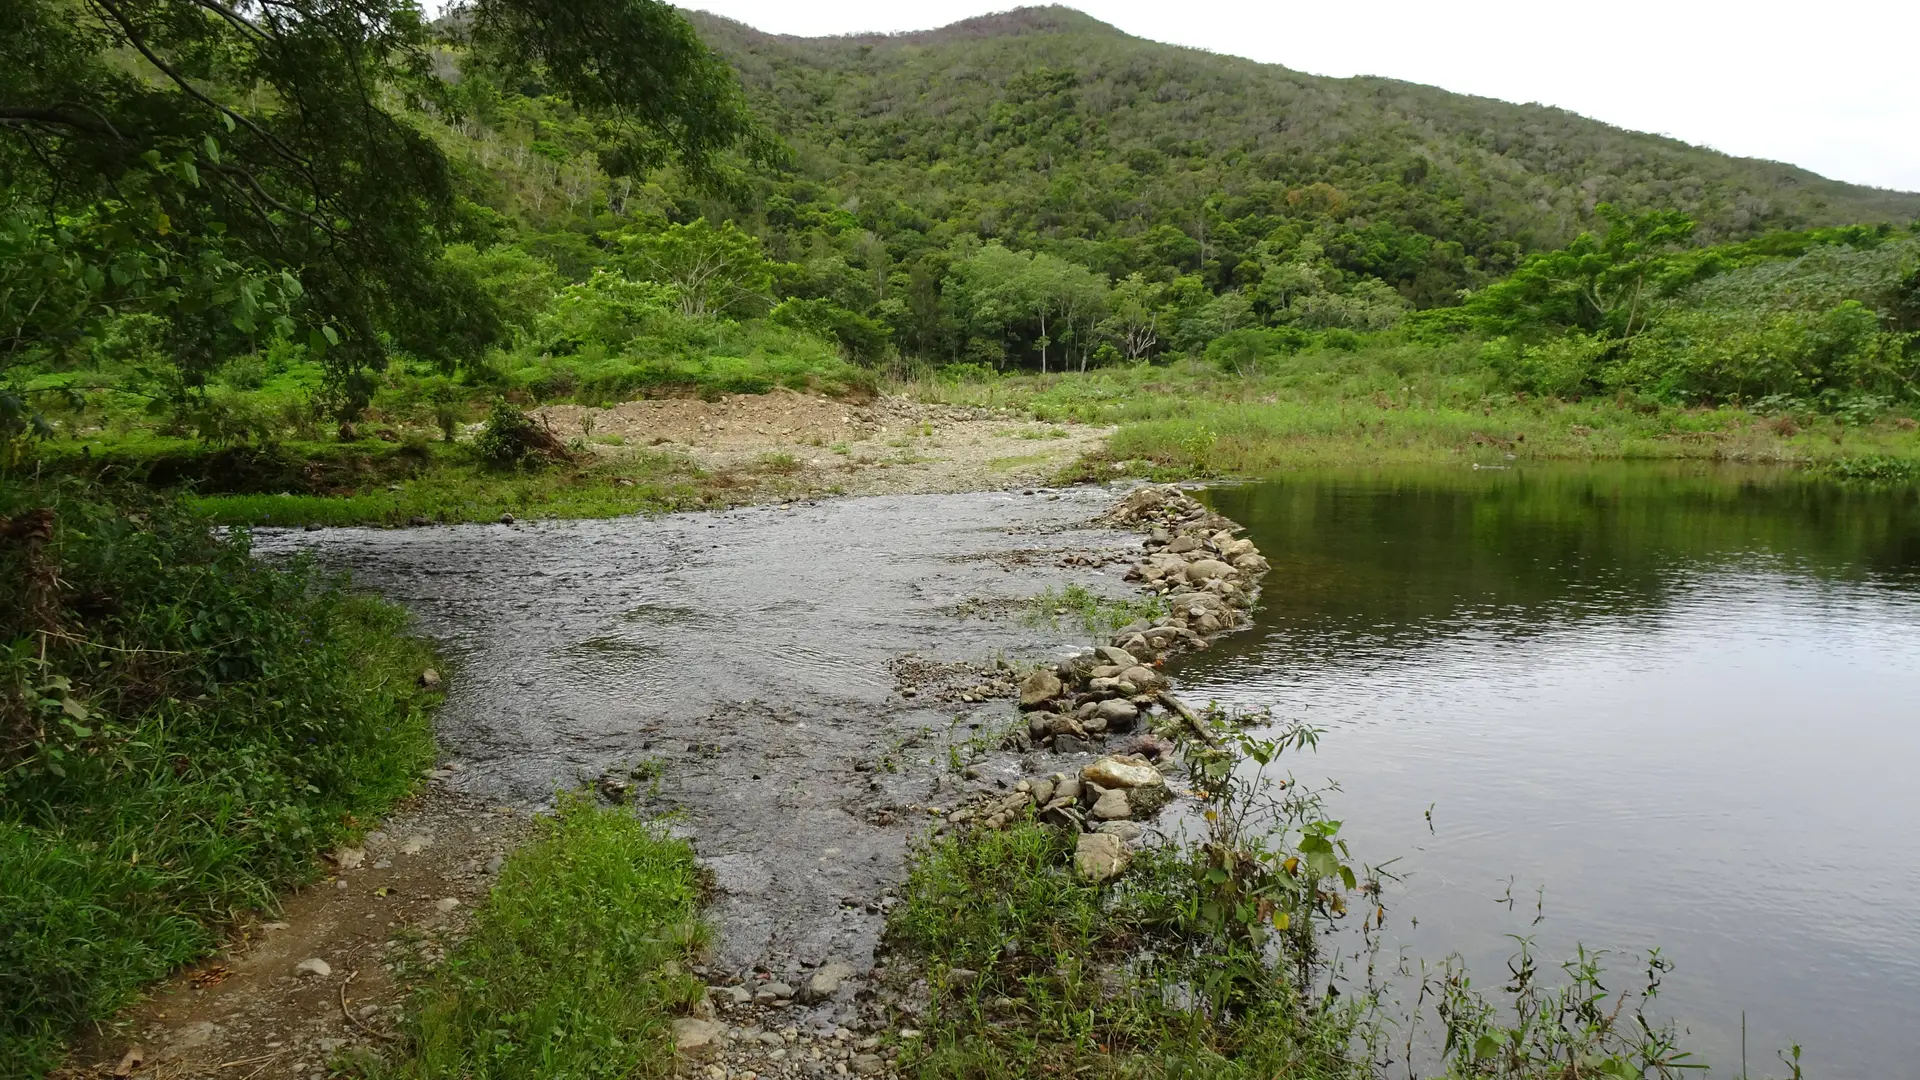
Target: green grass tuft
[{"x": 575, "y": 964}]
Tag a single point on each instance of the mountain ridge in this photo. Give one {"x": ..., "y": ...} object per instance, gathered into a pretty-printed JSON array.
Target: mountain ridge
[{"x": 1796, "y": 196}]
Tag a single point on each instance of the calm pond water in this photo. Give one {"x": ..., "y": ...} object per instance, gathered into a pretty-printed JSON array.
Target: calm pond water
[{"x": 1674, "y": 707}]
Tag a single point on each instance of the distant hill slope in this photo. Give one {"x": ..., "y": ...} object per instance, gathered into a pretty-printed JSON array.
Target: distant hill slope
[{"x": 1052, "y": 129}]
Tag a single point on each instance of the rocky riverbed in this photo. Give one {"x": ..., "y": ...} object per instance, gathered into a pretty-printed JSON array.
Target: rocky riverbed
[{"x": 804, "y": 688}]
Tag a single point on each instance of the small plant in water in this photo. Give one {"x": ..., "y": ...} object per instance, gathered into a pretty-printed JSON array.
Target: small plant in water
[{"x": 1098, "y": 615}]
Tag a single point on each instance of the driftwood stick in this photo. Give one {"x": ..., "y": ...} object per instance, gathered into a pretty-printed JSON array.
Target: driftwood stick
[{"x": 1193, "y": 721}]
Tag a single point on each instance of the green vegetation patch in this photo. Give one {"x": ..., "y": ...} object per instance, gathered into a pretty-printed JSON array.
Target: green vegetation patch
[
  {"x": 184, "y": 728},
  {"x": 1034, "y": 972},
  {"x": 575, "y": 964},
  {"x": 1224, "y": 953},
  {"x": 1098, "y": 615}
]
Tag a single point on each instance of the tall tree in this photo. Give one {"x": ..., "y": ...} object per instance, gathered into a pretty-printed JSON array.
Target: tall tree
[{"x": 235, "y": 168}]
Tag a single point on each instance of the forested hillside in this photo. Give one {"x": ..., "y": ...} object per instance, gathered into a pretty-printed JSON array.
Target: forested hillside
[
  {"x": 1027, "y": 191},
  {"x": 1037, "y": 189},
  {"x": 1045, "y": 127}
]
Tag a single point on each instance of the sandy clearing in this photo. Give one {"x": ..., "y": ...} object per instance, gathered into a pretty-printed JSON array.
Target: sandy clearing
[{"x": 803, "y": 444}]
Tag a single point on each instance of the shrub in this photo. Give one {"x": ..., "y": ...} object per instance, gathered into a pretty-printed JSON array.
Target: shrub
[
  {"x": 512, "y": 438},
  {"x": 1826, "y": 357},
  {"x": 1560, "y": 367},
  {"x": 1247, "y": 352}
]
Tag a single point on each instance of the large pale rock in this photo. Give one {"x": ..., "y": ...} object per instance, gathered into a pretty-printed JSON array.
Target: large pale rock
[
  {"x": 1117, "y": 712},
  {"x": 1122, "y": 771},
  {"x": 1119, "y": 658},
  {"x": 1237, "y": 549},
  {"x": 1099, "y": 856},
  {"x": 826, "y": 981},
  {"x": 1112, "y": 806},
  {"x": 1142, "y": 678},
  {"x": 313, "y": 968},
  {"x": 1039, "y": 688},
  {"x": 697, "y": 1038},
  {"x": 1207, "y": 570}
]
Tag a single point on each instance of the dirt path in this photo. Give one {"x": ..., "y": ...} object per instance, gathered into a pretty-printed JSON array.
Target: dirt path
[
  {"x": 379, "y": 917},
  {"x": 805, "y": 445}
]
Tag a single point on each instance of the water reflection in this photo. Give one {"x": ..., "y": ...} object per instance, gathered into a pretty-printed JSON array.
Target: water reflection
[{"x": 1679, "y": 700}]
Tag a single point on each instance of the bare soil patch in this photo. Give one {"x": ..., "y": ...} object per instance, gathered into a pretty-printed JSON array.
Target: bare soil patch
[{"x": 787, "y": 444}]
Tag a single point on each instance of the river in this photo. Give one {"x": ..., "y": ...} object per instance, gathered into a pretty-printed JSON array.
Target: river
[{"x": 1630, "y": 706}]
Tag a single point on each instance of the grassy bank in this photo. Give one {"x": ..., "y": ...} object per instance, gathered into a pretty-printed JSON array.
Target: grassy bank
[
  {"x": 1390, "y": 403},
  {"x": 455, "y": 488},
  {"x": 373, "y": 482},
  {"x": 185, "y": 728},
  {"x": 575, "y": 967}
]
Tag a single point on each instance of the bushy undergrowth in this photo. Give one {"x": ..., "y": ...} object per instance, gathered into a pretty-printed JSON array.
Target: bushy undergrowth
[
  {"x": 184, "y": 727},
  {"x": 575, "y": 964},
  {"x": 1823, "y": 321}
]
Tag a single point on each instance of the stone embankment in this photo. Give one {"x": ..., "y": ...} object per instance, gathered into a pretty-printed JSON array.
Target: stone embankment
[{"x": 1207, "y": 577}]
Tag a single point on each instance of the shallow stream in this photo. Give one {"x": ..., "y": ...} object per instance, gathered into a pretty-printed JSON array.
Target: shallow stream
[{"x": 1625, "y": 706}]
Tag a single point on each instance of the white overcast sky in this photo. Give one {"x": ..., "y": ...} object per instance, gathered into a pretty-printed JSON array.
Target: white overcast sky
[{"x": 1831, "y": 85}]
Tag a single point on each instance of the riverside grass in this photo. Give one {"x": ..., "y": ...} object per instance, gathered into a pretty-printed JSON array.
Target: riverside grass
[
  {"x": 186, "y": 729},
  {"x": 1388, "y": 403},
  {"x": 576, "y": 965}
]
